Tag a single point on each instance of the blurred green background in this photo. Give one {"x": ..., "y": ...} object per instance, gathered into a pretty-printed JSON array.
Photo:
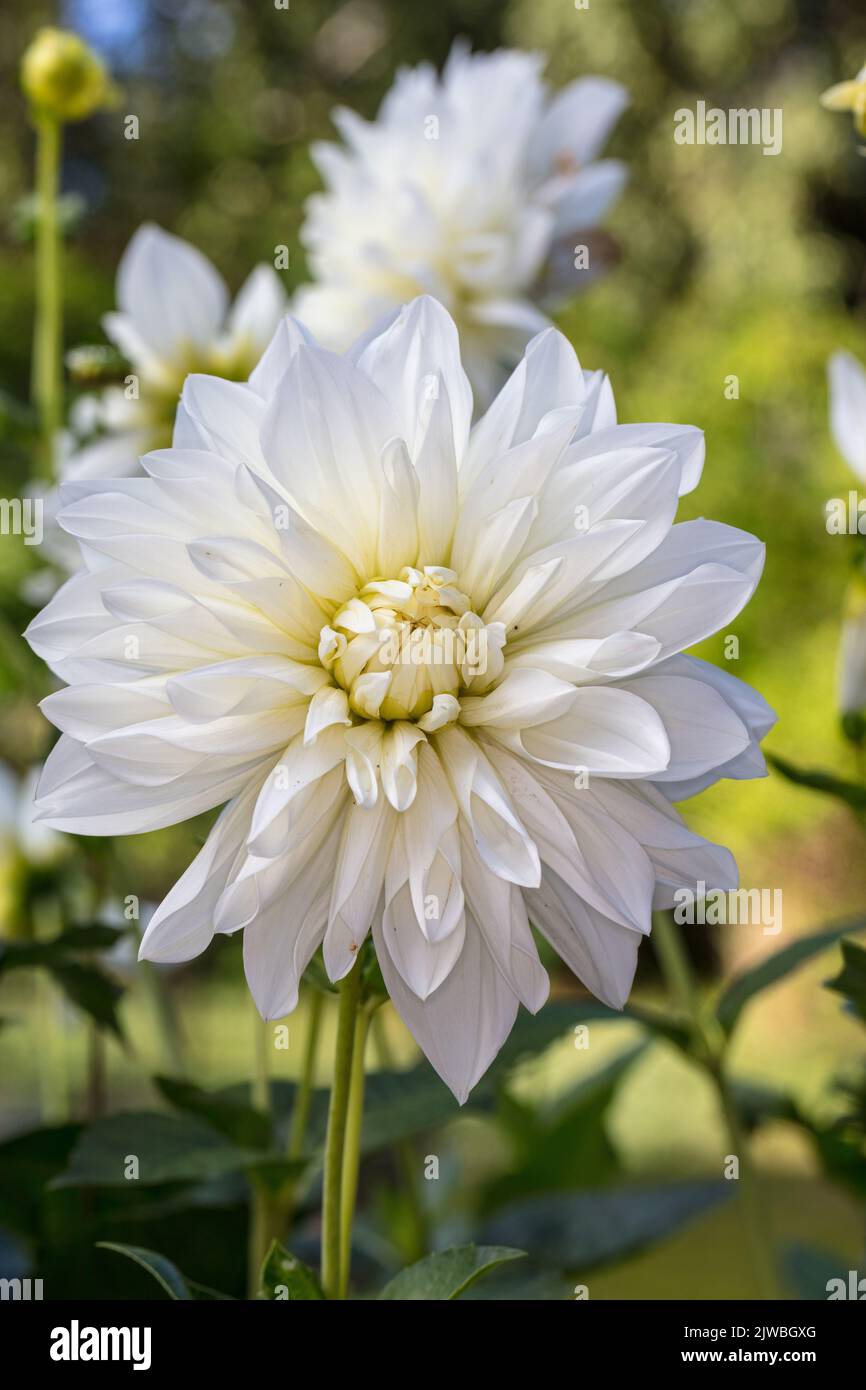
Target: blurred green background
[{"x": 728, "y": 263}]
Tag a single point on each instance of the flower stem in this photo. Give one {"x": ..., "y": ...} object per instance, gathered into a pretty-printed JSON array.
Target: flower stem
[
  {"x": 352, "y": 1152},
  {"x": 304, "y": 1093},
  {"x": 407, "y": 1162},
  {"x": 350, "y": 993},
  {"x": 262, "y": 1209},
  {"x": 47, "y": 338},
  {"x": 710, "y": 1048}
]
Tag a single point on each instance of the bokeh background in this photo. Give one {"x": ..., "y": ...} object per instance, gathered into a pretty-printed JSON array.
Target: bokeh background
[{"x": 723, "y": 262}]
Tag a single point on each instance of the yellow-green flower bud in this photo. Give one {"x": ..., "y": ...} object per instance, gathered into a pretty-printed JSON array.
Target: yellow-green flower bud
[{"x": 63, "y": 78}]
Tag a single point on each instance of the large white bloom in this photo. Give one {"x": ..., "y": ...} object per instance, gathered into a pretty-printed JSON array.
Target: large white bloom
[
  {"x": 475, "y": 188},
  {"x": 848, "y": 425},
  {"x": 387, "y": 643}
]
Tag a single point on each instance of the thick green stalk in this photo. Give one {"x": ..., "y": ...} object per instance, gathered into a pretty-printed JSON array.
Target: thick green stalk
[
  {"x": 710, "y": 1045},
  {"x": 352, "y": 1151},
  {"x": 350, "y": 994},
  {"x": 47, "y": 344}
]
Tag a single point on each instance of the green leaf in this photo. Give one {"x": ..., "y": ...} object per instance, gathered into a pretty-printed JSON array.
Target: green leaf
[
  {"x": 169, "y": 1148},
  {"x": 28, "y": 1163},
  {"x": 89, "y": 987},
  {"x": 283, "y": 1270},
  {"x": 850, "y": 792},
  {"x": 445, "y": 1274},
  {"x": 94, "y": 992},
  {"x": 167, "y": 1275},
  {"x": 580, "y": 1231},
  {"x": 757, "y": 1103},
  {"x": 59, "y": 949},
  {"x": 851, "y": 980},
  {"x": 565, "y": 1146},
  {"x": 774, "y": 968},
  {"x": 809, "y": 1269},
  {"x": 229, "y": 1115}
]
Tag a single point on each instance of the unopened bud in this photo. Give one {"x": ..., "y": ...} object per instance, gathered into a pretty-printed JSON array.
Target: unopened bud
[{"x": 63, "y": 78}]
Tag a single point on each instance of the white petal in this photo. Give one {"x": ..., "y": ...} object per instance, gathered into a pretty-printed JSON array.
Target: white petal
[
  {"x": 182, "y": 926},
  {"x": 704, "y": 732},
  {"x": 463, "y": 1024},
  {"x": 170, "y": 291},
  {"x": 408, "y": 360},
  {"x": 847, "y": 381},
  {"x": 501, "y": 839},
  {"x": 601, "y": 953},
  {"x": 607, "y": 732},
  {"x": 525, "y": 697},
  {"x": 589, "y": 196},
  {"x": 577, "y": 122},
  {"x": 399, "y": 763},
  {"x": 281, "y": 941},
  {"x": 358, "y": 882},
  {"x": 258, "y": 308}
]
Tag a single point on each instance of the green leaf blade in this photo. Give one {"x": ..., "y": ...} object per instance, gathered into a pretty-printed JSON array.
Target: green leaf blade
[
  {"x": 284, "y": 1271},
  {"x": 444, "y": 1275},
  {"x": 166, "y": 1274},
  {"x": 775, "y": 968}
]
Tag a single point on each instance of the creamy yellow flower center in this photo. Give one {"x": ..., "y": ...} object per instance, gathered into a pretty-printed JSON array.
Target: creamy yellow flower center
[{"x": 406, "y": 648}]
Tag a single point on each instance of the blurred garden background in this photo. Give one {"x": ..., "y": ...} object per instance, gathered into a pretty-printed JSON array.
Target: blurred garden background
[{"x": 723, "y": 262}]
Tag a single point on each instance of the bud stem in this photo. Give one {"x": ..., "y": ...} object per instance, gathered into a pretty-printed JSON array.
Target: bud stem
[{"x": 46, "y": 379}]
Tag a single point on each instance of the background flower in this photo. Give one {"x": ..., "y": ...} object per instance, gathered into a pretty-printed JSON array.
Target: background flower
[
  {"x": 173, "y": 317},
  {"x": 847, "y": 381},
  {"x": 471, "y": 187},
  {"x": 225, "y": 645}
]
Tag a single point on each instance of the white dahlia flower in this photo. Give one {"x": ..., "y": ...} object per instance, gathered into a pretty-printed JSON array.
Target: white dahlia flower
[
  {"x": 476, "y": 188},
  {"x": 431, "y": 673},
  {"x": 848, "y": 425}
]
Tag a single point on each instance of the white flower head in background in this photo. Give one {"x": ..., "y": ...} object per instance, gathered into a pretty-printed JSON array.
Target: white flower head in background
[
  {"x": 20, "y": 834},
  {"x": 475, "y": 188},
  {"x": 847, "y": 381},
  {"x": 173, "y": 317},
  {"x": 432, "y": 673}
]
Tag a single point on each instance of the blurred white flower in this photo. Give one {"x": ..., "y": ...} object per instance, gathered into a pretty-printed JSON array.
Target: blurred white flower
[
  {"x": 19, "y": 832},
  {"x": 847, "y": 381},
  {"x": 475, "y": 188},
  {"x": 396, "y": 649},
  {"x": 173, "y": 317}
]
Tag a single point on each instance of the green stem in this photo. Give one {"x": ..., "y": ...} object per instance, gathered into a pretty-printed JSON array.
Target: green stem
[
  {"x": 262, "y": 1208},
  {"x": 352, "y": 1151},
  {"x": 304, "y": 1093},
  {"x": 710, "y": 1048},
  {"x": 407, "y": 1162},
  {"x": 95, "y": 1101},
  {"x": 350, "y": 993},
  {"x": 48, "y": 334},
  {"x": 164, "y": 1017},
  {"x": 51, "y": 1049}
]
